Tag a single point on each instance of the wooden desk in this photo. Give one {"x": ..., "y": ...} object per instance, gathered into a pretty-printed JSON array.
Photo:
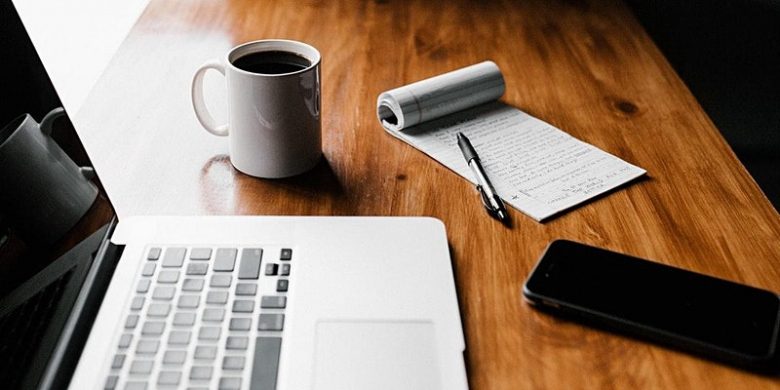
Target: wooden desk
[{"x": 586, "y": 67}]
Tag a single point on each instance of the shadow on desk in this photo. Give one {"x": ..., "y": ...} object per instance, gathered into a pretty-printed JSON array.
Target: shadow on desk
[
  {"x": 224, "y": 190},
  {"x": 770, "y": 369}
]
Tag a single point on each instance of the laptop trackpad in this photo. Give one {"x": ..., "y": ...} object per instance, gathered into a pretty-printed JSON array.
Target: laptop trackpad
[{"x": 376, "y": 355}]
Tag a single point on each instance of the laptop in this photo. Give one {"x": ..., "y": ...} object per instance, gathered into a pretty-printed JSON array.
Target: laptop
[{"x": 216, "y": 302}]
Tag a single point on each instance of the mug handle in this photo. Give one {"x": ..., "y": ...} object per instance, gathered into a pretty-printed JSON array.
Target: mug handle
[
  {"x": 198, "y": 103},
  {"x": 47, "y": 124}
]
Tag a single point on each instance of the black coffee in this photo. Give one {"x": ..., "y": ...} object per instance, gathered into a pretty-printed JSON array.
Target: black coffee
[{"x": 272, "y": 62}]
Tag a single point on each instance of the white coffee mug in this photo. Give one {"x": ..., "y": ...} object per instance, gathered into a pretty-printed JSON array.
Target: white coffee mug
[{"x": 273, "y": 112}]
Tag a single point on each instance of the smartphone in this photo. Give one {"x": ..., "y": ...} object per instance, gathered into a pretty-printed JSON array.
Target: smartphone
[{"x": 712, "y": 317}]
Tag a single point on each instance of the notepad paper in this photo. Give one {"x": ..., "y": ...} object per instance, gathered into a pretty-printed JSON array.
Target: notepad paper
[{"x": 534, "y": 166}]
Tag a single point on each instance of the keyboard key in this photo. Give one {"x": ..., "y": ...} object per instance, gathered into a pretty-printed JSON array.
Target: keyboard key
[
  {"x": 217, "y": 297},
  {"x": 213, "y": 315},
  {"x": 200, "y": 253},
  {"x": 225, "y": 259},
  {"x": 209, "y": 333},
  {"x": 147, "y": 347},
  {"x": 192, "y": 285},
  {"x": 237, "y": 342},
  {"x": 124, "y": 340},
  {"x": 143, "y": 285},
  {"x": 285, "y": 254},
  {"x": 184, "y": 319},
  {"x": 119, "y": 360},
  {"x": 168, "y": 378},
  {"x": 135, "y": 385},
  {"x": 229, "y": 383},
  {"x": 153, "y": 328},
  {"x": 271, "y": 269},
  {"x": 137, "y": 303},
  {"x": 205, "y": 353},
  {"x": 266, "y": 362},
  {"x": 141, "y": 367},
  {"x": 174, "y": 357},
  {"x": 221, "y": 280},
  {"x": 282, "y": 285},
  {"x": 200, "y": 372},
  {"x": 159, "y": 310},
  {"x": 246, "y": 289},
  {"x": 243, "y": 305},
  {"x": 188, "y": 301},
  {"x": 148, "y": 269},
  {"x": 273, "y": 302},
  {"x": 285, "y": 270},
  {"x": 131, "y": 321},
  {"x": 174, "y": 257},
  {"x": 197, "y": 268},
  {"x": 270, "y": 321},
  {"x": 111, "y": 382},
  {"x": 179, "y": 337},
  {"x": 250, "y": 263},
  {"x": 233, "y": 363},
  {"x": 163, "y": 293},
  {"x": 168, "y": 277},
  {"x": 240, "y": 323},
  {"x": 154, "y": 254}
]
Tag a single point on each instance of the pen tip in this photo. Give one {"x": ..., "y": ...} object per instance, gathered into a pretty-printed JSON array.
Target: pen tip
[{"x": 503, "y": 217}]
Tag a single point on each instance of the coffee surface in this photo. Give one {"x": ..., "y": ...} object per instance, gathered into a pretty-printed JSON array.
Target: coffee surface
[{"x": 271, "y": 62}]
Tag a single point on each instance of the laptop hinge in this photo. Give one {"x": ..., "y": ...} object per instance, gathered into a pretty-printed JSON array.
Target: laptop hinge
[{"x": 76, "y": 330}]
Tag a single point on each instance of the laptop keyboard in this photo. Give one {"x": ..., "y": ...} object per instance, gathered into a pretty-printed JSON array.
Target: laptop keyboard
[
  {"x": 22, "y": 329},
  {"x": 204, "y": 317}
]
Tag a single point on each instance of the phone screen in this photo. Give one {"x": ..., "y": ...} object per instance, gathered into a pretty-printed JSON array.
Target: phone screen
[{"x": 671, "y": 301}]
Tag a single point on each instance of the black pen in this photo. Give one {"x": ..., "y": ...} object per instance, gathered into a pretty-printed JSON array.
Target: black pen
[{"x": 491, "y": 201}]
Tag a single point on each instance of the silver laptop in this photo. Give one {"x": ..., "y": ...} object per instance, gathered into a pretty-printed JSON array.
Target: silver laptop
[{"x": 220, "y": 302}]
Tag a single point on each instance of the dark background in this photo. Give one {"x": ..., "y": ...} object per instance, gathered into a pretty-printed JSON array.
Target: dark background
[{"x": 728, "y": 54}]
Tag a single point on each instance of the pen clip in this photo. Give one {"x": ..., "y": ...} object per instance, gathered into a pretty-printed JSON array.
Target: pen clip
[{"x": 485, "y": 200}]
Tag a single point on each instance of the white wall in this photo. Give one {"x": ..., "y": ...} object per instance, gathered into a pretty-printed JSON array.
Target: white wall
[{"x": 76, "y": 39}]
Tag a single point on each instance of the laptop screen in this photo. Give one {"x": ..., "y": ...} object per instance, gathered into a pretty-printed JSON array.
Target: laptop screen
[
  {"x": 50, "y": 198},
  {"x": 54, "y": 215}
]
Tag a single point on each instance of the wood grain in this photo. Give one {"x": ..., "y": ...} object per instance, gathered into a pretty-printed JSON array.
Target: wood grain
[{"x": 586, "y": 67}]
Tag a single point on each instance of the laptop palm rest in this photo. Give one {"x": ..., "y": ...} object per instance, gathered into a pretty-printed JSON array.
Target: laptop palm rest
[{"x": 376, "y": 355}]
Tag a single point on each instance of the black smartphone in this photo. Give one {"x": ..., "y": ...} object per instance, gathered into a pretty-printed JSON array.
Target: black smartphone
[{"x": 712, "y": 317}]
